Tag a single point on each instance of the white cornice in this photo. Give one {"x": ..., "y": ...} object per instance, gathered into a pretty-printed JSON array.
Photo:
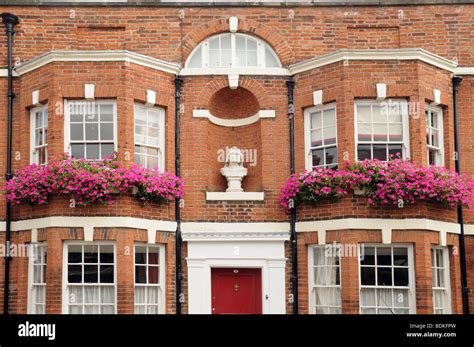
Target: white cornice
[
  {"x": 175, "y": 68},
  {"x": 101, "y": 56},
  {"x": 374, "y": 55},
  {"x": 231, "y": 123},
  {"x": 255, "y": 71},
  {"x": 464, "y": 71}
]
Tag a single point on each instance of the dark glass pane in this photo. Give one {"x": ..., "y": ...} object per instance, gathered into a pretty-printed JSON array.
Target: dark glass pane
[
  {"x": 367, "y": 255},
  {"x": 74, "y": 273},
  {"x": 106, "y": 274},
  {"x": 367, "y": 276},
  {"x": 363, "y": 152},
  {"x": 384, "y": 256},
  {"x": 337, "y": 276},
  {"x": 140, "y": 255},
  {"x": 380, "y": 152},
  {"x": 107, "y": 254},
  {"x": 153, "y": 274},
  {"x": 90, "y": 254},
  {"x": 140, "y": 274},
  {"x": 400, "y": 276},
  {"x": 92, "y": 151},
  {"x": 400, "y": 256},
  {"x": 91, "y": 274},
  {"x": 74, "y": 254},
  {"x": 331, "y": 155},
  {"x": 318, "y": 157},
  {"x": 395, "y": 151},
  {"x": 384, "y": 276},
  {"x": 152, "y": 256}
]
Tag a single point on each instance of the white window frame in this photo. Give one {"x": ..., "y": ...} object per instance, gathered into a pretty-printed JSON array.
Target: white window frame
[
  {"x": 307, "y": 134},
  {"x": 312, "y": 285},
  {"x": 161, "y": 147},
  {"x": 31, "y": 309},
  {"x": 67, "y": 121},
  {"x": 65, "y": 292},
  {"x": 437, "y": 112},
  {"x": 405, "y": 127},
  {"x": 33, "y": 148},
  {"x": 260, "y": 69},
  {"x": 411, "y": 275},
  {"x": 447, "y": 281},
  {"x": 162, "y": 275}
]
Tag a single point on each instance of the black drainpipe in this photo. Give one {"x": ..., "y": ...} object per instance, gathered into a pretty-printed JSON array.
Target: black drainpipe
[
  {"x": 10, "y": 20},
  {"x": 177, "y": 102},
  {"x": 290, "y": 84},
  {"x": 457, "y": 165}
]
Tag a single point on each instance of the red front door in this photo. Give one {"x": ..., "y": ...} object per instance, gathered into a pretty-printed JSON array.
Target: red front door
[{"x": 236, "y": 291}]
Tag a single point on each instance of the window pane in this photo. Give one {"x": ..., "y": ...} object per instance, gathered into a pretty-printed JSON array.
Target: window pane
[
  {"x": 92, "y": 131},
  {"x": 107, "y": 150},
  {"x": 106, "y": 274},
  {"x": 91, "y": 294},
  {"x": 384, "y": 256},
  {"x": 153, "y": 256},
  {"x": 367, "y": 255},
  {"x": 196, "y": 59},
  {"x": 400, "y": 276},
  {"x": 74, "y": 254},
  {"x": 380, "y": 131},
  {"x": 140, "y": 255},
  {"x": 400, "y": 256},
  {"x": 316, "y": 138},
  {"x": 92, "y": 151},
  {"x": 384, "y": 276},
  {"x": 77, "y": 132},
  {"x": 140, "y": 274},
  {"x": 364, "y": 132},
  {"x": 380, "y": 152},
  {"x": 363, "y": 152},
  {"x": 395, "y": 151},
  {"x": 106, "y": 113},
  {"x": 252, "y": 58},
  {"x": 153, "y": 274},
  {"x": 400, "y": 297},
  {"x": 329, "y": 117},
  {"x": 106, "y": 254},
  {"x": 330, "y": 135},
  {"x": 75, "y": 295},
  {"x": 226, "y": 58},
  {"x": 90, "y": 254},
  {"x": 107, "y": 131},
  {"x": 74, "y": 273},
  {"x": 91, "y": 274},
  {"x": 270, "y": 60},
  {"x": 77, "y": 151},
  {"x": 367, "y": 276},
  {"x": 363, "y": 114},
  {"x": 316, "y": 120},
  {"x": 395, "y": 132},
  {"x": 331, "y": 155},
  {"x": 367, "y": 297},
  {"x": 379, "y": 113},
  {"x": 318, "y": 157}
]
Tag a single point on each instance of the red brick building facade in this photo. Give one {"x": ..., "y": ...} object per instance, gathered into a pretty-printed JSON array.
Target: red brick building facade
[{"x": 234, "y": 62}]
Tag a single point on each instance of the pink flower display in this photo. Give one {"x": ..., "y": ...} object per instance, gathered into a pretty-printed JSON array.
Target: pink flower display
[
  {"x": 395, "y": 182},
  {"x": 90, "y": 182}
]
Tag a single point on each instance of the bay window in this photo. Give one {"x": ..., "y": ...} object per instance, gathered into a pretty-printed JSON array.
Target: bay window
[
  {"x": 149, "y": 279},
  {"x": 386, "y": 280},
  {"x": 321, "y": 137},
  {"x": 37, "y": 279},
  {"x": 434, "y": 135},
  {"x": 89, "y": 278},
  {"x": 441, "y": 282},
  {"x": 39, "y": 135},
  {"x": 381, "y": 129},
  {"x": 149, "y": 136},
  {"x": 325, "y": 282},
  {"x": 90, "y": 129}
]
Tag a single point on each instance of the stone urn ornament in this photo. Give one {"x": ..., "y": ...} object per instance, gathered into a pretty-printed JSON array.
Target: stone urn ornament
[{"x": 234, "y": 170}]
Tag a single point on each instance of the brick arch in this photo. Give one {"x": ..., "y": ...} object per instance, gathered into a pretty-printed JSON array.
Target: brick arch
[
  {"x": 262, "y": 31},
  {"x": 209, "y": 89}
]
